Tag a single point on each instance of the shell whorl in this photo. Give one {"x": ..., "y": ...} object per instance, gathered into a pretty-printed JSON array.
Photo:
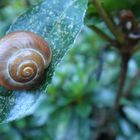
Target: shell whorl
[{"x": 23, "y": 59}]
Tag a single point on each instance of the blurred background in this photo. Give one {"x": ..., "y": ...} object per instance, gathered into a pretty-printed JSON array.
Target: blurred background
[
  {"x": 11, "y": 9},
  {"x": 76, "y": 101}
]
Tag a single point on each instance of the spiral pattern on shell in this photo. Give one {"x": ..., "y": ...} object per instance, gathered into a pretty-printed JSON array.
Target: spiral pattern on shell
[{"x": 24, "y": 56}]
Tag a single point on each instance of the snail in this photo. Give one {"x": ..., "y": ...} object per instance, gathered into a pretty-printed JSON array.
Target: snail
[{"x": 24, "y": 56}]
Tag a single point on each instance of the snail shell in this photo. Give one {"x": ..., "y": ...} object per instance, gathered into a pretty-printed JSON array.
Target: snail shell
[{"x": 24, "y": 56}]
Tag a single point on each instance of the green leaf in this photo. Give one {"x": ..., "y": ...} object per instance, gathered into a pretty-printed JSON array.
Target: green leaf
[
  {"x": 58, "y": 22},
  {"x": 59, "y": 121},
  {"x": 68, "y": 124},
  {"x": 111, "y": 5},
  {"x": 132, "y": 114}
]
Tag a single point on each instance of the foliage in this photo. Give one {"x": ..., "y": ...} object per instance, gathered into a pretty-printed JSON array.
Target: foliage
[{"x": 81, "y": 99}]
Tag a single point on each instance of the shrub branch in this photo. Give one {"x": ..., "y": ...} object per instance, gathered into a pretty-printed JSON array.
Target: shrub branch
[
  {"x": 118, "y": 34},
  {"x": 122, "y": 79}
]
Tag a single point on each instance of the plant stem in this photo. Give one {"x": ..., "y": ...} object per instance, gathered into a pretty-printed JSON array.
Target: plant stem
[
  {"x": 123, "y": 72},
  {"x": 102, "y": 34},
  {"x": 101, "y": 61},
  {"x": 133, "y": 82},
  {"x": 109, "y": 116},
  {"x": 119, "y": 35}
]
